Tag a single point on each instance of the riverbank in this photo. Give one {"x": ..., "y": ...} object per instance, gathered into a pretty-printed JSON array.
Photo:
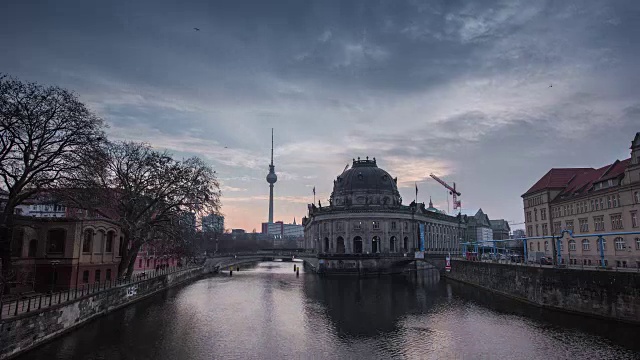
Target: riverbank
[
  {"x": 606, "y": 295},
  {"x": 28, "y": 330}
]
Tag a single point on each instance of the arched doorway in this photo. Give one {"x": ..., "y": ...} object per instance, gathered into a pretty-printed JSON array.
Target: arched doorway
[
  {"x": 357, "y": 245},
  {"x": 405, "y": 245},
  {"x": 326, "y": 245},
  {"x": 375, "y": 245},
  {"x": 392, "y": 244},
  {"x": 340, "y": 245}
]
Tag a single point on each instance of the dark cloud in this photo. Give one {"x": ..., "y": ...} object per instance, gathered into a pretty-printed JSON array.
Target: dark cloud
[{"x": 460, "y": 87}]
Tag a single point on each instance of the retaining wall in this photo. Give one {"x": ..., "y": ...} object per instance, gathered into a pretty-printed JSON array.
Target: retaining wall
[
  {"x": 23, "y": 332},
  {"x": 598, "y": 293}
]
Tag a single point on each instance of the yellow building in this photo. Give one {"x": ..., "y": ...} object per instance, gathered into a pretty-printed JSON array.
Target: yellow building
[{"x": 587, "y": 201}]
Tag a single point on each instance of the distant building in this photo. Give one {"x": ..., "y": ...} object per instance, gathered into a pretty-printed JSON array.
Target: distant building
[
  {"x": 518, "y": 234},
  {"x": 238, "y": 231},
  {"x": 587, "y": 201},
  {"x": 283, "y": 230},
  {"x": 500, "y": 229},
  {"x": 213, "y": 223},
  {"x": 479, "y": 228}
]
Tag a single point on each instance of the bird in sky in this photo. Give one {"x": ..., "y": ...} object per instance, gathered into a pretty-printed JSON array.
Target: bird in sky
[
  {"x": 196, "y": 29},
  {"x": 550, "y": 85}
]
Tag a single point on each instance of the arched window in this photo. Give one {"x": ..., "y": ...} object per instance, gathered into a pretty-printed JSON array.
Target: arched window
[
  {"x": 109, "y": 244},
  {"x": 637, "y": 243},
  {"x": 55, "y": 241},
  {"x": 572, "y": 245},
  {"x": 33, "y": 247},
  {"x": 85, "y": 277},
  {"x": 603, "y": 243},
  {"x": 538, "y": 243},
  {"x": 406, "y": 243},
  {"x": 357, "y": 245},
  {"x": 87, "y": 241},
  {"x": 546, "y": 246},
  {"x": 620, "y": 243},
  {"x": 108, "y": 278},
  {"x": 98, "y": 246},
  {"x": 97, "y": 278},
  {"x": 585, "y": 244},
  {"x": 326, "y": 244},
  {"x": 340, "y": 245},
  {"x": 375, "y": 244},
  {"x": 392, "y": 244}
]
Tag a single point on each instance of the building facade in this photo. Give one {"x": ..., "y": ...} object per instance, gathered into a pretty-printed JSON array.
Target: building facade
[
  {"x": 587, "y": 201},
  {"x": 213, "y": 223},
  {"x": 365, "y": 215},
  {"x": 500, "y": 229},
  {"x": 62, "y": 253}
]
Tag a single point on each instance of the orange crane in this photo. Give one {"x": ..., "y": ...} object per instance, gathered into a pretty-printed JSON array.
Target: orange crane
[{"x": 457, "y": 204}]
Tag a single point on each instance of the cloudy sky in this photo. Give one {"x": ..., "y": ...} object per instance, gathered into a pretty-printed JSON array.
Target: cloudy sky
[{"x": 458, "y": 88}]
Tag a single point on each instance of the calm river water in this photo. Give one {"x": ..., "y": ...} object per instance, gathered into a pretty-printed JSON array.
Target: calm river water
[{"x": 266, "y": 312}]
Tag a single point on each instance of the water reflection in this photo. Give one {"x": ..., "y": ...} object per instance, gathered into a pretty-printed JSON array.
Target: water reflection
[
  {"x": 266, "y": 312},
  {"x": 370, "y": 307}
]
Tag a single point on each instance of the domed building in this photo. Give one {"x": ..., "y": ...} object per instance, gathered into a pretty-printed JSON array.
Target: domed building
[{"x": 366, "y": 228}]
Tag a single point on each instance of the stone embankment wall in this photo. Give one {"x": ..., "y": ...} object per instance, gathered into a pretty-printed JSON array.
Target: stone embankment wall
[
  {"x": 23, "y": 332},
  {"x": 599, "y": 293}
]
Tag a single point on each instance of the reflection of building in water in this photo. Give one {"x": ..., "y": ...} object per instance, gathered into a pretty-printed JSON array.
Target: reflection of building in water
[{"x": 371, "y": 306}]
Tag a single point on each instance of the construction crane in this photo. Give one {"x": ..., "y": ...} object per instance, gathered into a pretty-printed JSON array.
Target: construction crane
[{"x": 452, "y": 191}]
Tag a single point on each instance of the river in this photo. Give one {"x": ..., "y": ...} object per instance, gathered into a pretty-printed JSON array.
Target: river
[{"x": 266, "y": 312}]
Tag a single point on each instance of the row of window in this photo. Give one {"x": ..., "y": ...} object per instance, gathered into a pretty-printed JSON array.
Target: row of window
[
  {"x": 97, "y": 276},
  {"x": 359, "y": 225},
  {"x": 376, "y": 245},
  {"x": 56, "y": 239},
  {"x": 620, "y": 244},
  {"x": 543, "y": 215},
  {"x": 534, "y": 201},
  {"x": 97, "y": 244},
  {"x": 583, "y": 225},
  {"x": 581, "y": 207}
]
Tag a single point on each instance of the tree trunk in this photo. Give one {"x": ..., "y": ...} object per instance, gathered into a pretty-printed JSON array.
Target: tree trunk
[{"x": 6, "y": 230}]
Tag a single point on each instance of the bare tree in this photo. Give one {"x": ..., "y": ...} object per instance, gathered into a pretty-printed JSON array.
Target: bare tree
[
  {"x": 149, "y": 190},
  {"x": 45, "y": 134}
]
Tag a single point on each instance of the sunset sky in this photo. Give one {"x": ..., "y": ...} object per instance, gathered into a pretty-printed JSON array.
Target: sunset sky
[{"x": 488, "y": 94}]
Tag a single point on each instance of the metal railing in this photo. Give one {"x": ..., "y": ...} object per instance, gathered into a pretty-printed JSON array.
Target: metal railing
[{"x": 32, "y": 303}]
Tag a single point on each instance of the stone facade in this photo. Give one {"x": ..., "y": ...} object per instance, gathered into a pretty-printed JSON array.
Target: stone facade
[
  {"x": 588, "y": 201},
  {"x": 365, "y": 215},
  {"x": 607, "y": 294}
]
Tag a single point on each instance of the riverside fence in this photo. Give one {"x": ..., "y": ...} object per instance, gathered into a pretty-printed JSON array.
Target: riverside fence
[{"x": 31, "y": 303}]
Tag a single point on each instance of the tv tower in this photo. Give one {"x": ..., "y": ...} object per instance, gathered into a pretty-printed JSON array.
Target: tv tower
[{"x": 271, "y": 179}]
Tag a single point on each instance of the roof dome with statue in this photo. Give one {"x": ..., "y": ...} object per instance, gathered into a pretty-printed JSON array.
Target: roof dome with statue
[{"x": 365, "y": 183}]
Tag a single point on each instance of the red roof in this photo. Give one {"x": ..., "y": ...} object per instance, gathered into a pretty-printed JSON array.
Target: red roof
[
  {"x": 578, "y": 181},
  {"x": 557, "y": 178}
]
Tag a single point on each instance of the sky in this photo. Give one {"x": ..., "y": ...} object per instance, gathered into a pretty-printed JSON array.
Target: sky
[{"x": 487, "y": 94}]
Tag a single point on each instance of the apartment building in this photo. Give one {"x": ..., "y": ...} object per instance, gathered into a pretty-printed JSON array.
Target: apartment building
[{"x": 588, "y": 201}]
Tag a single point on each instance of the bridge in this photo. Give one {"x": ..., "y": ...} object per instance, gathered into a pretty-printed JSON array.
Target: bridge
[{"x": 326, "y": 263}]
